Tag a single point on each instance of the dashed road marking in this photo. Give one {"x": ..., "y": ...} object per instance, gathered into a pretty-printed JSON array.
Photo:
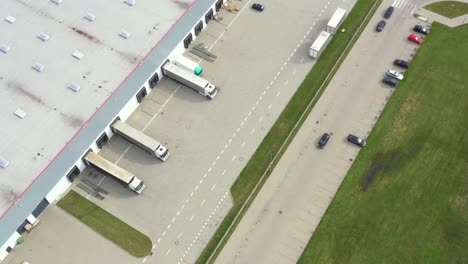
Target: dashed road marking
[
  {"x": 251, "y": 132},
  {"x": 214, "y": 186},
  {"x": 203, "y": 202}
]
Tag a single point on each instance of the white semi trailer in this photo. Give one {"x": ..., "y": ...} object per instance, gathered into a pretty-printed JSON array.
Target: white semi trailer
[
  {"x": 335, "y": 21},
  {"x": 189, "y": 65},
  {"x": 189, "y": 79},
  {"x": 110, "y": 169},
  {"x": 319, "y": 44},
  {"x": 140, "y": 139}
]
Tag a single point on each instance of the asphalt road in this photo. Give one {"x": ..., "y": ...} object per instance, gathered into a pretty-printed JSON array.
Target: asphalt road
[{"x": 283, "y": 217}]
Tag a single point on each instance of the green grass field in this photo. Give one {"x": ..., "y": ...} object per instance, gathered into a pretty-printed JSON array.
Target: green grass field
[
  {"x": 272, "y": 142},
  {"x": 448, "y": 9},
  {"x": 405, "y": 199},
  {"x": 106, "y": 224}
]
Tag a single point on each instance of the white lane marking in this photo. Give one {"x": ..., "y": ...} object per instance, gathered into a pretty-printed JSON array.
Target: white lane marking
[
  {"x": 191, "y": 218},
  {"x": 224, "y": 171},
  {"x": 242, "y": 124},
  {"x": 178, "y": 213},
  {"x": 214, "y": 186},
  {"x": 144, "y": 260},
  {"x": 201, "y": 181},
  {"x": 286, "y": 82},
  {"x": 169, "y": 226},
  {"x": 163, "y": 234},
  {"x": 180, "y": 235},
  {"x": 217, "y": 158},
  {"x": 251, "y": 132},
  {"x": 173, "y": 219},
  {"x": 260, "y": 119},
  {"x": 269, "y": 106},
  {"x": 243, "y": 144},
  {"x": 230, "y": 140},
  {"x": 183, "y": 206},
  {"x": 222, "y": 151},
  {"x": 203, "y": 202},
  {"x": 226, "y": 146},
  {"x": 154, "y": 246},
  {"x": 167, "y": 253},
  {"x": 233, "y": 158},
  {"x": 278, "y": 94},
  {"x": 191, "y": 194},
  {"x": 196, "y": 187}
]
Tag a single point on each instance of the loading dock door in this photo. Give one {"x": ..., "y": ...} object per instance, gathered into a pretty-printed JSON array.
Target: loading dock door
[
  {"x": 218, "y": 5},
  {"x": 40, "y": 208},
  {"x": 198, "y": 28},
  {"x": 209, "y": 16},
  {"x": 188, "y": 40},
  {"x": 154, "y": 80}
]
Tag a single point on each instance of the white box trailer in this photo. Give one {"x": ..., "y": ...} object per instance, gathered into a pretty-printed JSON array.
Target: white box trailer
[
  {"x": 335, "y": 21},
  {"x": 110, "y": 169},
  {"x": 319, "y": 44},
  {"x": 140, "y": 139},
  {"x": 189, "y": 79},
  {"x": 189, "y": 65}
]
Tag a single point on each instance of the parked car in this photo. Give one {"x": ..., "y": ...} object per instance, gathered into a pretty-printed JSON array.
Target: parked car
[
  {"x": 323, "y": 140},
  {"x": 401, "y": 63},
  {"x": 390, "y": 81},
  {"x": 258, "y": 7},
  {"x": 388, "y": 13},
  {"x": 415, "y": 39},
  {"x": 421, "y": 29},
  {"x": 356, "y": 140},
  {"x": 380, "y": 25},
  {"x": 395, "y": 74}
]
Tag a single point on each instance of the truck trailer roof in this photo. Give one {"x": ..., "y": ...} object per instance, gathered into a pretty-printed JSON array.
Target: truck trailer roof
[
  {"x": 320, "y": 41},
  {"x": 337, "y": 17}
]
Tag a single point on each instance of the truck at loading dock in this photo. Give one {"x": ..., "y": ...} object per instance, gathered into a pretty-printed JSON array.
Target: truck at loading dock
[
  {"x": 189, "y": 65},
  {"x": 140, "y": 139},
  {"x": 110, "y": 169},
  {"x": 189, "y": 79}
]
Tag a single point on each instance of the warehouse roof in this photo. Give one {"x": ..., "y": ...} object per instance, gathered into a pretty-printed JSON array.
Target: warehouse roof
[{"x": 62, "y": 61}]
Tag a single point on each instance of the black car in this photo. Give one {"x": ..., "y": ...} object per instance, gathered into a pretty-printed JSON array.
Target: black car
[
  {"x": 421, "y": 29},
  {"x": 258, "y": 7},
  {"x": 390, "y": 81},
  {"x": 401, "y": 63},
  {"x": 388, "y": 13},
  {"x": 380, "y": 25},
  {"x": 323, "y": 141},
  {"x": 356, "y": 140}
]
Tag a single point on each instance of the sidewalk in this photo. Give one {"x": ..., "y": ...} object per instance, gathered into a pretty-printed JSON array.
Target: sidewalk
[{"x": 450, "y": 22}]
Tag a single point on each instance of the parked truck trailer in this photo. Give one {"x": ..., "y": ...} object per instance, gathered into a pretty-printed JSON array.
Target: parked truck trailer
[
  {"x": 319, "y": 44},
  {"x": 140, "y": 139},
  {"x": 189, "y": 79},
  {"x": 335, "y": 21},
  {"x": 110, "y": 169},
  {"x": 189, "y": 65}
]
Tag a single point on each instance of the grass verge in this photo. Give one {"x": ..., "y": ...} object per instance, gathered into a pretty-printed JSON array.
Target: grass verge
[
  {"x": 271, "y": 144},
  {"x": 405, "y": 199},
  {"x": 106, "y": 224},
  {"x": 450, "y": 9}
]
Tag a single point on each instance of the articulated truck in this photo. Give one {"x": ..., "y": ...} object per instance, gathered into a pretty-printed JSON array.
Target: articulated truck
[
  {"x": 110, "y": 169},
  {"x": 189, "y": 65},
  {"x": 140, "y": 139},
  {"x": 189, "y": 79}
]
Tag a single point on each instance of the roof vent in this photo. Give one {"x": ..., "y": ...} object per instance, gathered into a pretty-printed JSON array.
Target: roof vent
[
  {"x": 3, "y": 162},
  {"x": 75, "y": 87},
  {"x": 20, "y": 113},
  {"x": 43, "y": 36},
  {"x": 38, "y": 67},
  {"x": 10, "y": 19},
  {"x": 78, "y": 55},
  {"x": 58, "y": 2},
  {"x": 5, "y": 48},
  {"x": 90, "y": 17},
  {"x": 130, "y": 2},
  {"x": 124, "y": 34}
]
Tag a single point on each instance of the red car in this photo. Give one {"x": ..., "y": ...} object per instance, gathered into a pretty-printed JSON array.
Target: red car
[{"x": 415, "y": 39}]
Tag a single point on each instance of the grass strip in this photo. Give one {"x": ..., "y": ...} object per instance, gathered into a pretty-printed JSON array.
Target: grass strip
[
  {"x": 106, "y": 224},
  {"x": 405, "y": 199},
  {"x": 450, "y": 9},
  {"x": 278, "y": 138}
]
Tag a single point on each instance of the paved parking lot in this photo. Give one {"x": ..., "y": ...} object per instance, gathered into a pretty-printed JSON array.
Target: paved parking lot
[{"x": 283, "y": 217}]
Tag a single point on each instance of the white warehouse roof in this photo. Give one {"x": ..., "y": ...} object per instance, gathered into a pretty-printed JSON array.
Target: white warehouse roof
[{"x": 59, "y": 62}]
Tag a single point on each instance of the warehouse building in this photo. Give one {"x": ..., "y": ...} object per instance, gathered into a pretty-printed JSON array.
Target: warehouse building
[{"x": 68, "y": 69}]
